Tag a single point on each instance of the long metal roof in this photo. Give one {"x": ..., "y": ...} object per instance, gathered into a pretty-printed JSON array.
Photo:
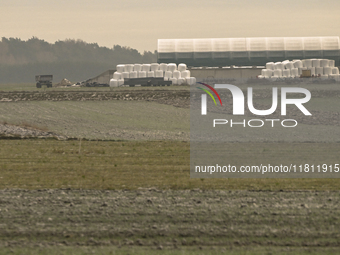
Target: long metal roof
[{"x": 249, "y": 44}]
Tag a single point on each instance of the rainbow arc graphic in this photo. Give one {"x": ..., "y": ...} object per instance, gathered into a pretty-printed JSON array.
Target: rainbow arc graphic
[{"x": 208, "y": 92}]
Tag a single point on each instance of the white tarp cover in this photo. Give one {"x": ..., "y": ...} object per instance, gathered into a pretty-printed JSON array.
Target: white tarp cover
[{"x": 249, "y": 44}]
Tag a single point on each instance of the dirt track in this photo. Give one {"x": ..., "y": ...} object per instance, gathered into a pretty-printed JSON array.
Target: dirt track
[
  {"x": 170, "y": 219},
  {"x": 178, "y": 98}
]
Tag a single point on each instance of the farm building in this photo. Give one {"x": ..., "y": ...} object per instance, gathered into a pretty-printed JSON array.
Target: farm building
[
  {"x": 246, "y": 51},
  {"x": 103, "y": 78}
]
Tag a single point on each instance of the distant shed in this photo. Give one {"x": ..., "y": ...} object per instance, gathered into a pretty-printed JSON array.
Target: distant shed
[{"x": 103, "y": 78}]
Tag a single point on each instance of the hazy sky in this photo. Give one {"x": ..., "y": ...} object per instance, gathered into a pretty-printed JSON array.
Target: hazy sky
[{"x": 138, "y": 24}]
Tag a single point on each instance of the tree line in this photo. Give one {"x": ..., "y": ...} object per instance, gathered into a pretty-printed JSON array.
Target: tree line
[{"x": 75, "y": 60}]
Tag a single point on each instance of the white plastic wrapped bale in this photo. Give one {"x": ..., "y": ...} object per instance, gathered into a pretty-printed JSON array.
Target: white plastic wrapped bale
[
  {"x": 285, "y": 62},
  {"x": 168, "y": 74},
  {"x": 324, "y": 76},
  {"x": 113, "y": 83},
  {"x": 176, "y": 74},
  {"x": 327, "y": 70},
  {"x": 260, "y": 77},
  {"x": 191, "y": 80},
  {"x": 182, "y": 67},
  {"x": 141, "y": 74},
  {"x": 289, "y": 65},
  {"x": 137, "y": 67},
  {"x": 171, "y": 67},
  {"x": 332, "y": 76},
  {"x": 308, "y": 63},
  {"x": 134, "y": 74},
  {"x": 270, "y": 66},
  {"x": 159, "y": 73},
  {"x": 128, "y": 68},
  {"x": 331, "y": 63},
  {"x": 185, "y": 74},
  {"x": 166, "y": 78},
  {"x": 181, "y": 81},
  {"x": 298, "y": 64},
  {"x": 125, "y": 75},
  {"x": 286, "y": 73},
  {"x": 117, "y": 75},
  {"x": 278, "y": 73},
  {"x": 173, "y": 80},
  {"x": 335, "y": 70},
  {"x": 302, "y": 68},
  {"x": 163, "y": 67},
  {"x": 312, "y": 71},
  {"x": 279, "y": 65},
  {"x": 324, "y": 63},
  {"x": 146, "y": 67},
  {"x": 318, "y": 70},
  {"x": 151, "y": 74},
  {"x": 337, "y": 77},
  {"x": 270, "y": 72},
  {"x": 266, "y": 73},
  {"x": 131, "y": 67},
  {"x": 120, "y": 82},
  {"x": 154, "y": 67},
  {"x": 295, "y": 72},
  {"x": 273, "y": 78},
  {"x": 120, "y": 68},
  {"x": 316, "y": 62}
]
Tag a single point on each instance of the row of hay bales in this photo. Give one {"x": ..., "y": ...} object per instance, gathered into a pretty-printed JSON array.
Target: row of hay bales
[
  {"x": 323, "y": 68},
  {"x": 179, "y": 75}
]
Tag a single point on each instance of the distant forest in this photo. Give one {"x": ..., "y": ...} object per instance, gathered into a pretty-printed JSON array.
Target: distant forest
[{"x": 75, "y": 60}]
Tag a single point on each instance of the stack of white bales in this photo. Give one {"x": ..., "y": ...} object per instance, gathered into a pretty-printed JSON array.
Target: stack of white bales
[
  {"x": 178, "y": 75},
  {"x": 323, "y": 68}
]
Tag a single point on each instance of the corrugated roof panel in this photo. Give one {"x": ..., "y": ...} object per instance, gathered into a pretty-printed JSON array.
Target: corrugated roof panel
[
  {"x": 312, "y": 43},
  {"x": 203, "y": 45},
  {"x": 238, "y": 44},
  {"x": 257, "y": 44},
  {"x": 330, "y": 43},
  {"x": 166, "y": 45},
  {"x": 276, "y": 43},
  {"x": 221, "y": 44},
  {"x": 249, "y": 44},
  {"x": 294, "y": 43},
  {"x": 184, "y": 45}
]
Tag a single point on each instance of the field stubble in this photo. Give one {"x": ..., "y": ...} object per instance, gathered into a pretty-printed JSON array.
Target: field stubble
[{"x": 124, "y": 197}]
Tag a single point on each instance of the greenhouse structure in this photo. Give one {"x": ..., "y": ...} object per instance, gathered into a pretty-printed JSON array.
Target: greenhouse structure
[{"x": 246, "y": 51}]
